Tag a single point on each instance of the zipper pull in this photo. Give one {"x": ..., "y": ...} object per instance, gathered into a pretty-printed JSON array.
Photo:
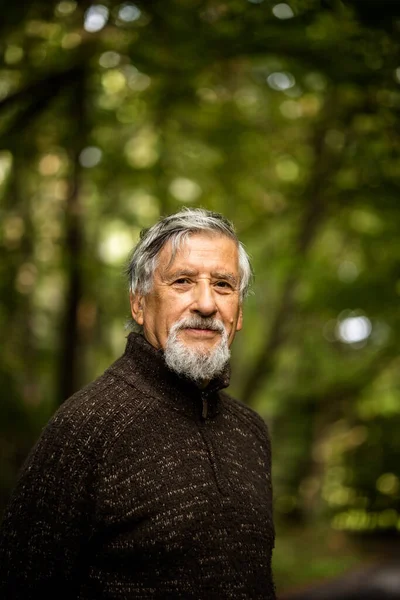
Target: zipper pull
[{"x": 205, "y": 407}]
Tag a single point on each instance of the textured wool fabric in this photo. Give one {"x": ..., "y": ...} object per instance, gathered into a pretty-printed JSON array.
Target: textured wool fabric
[{"x": 143, "y": 486}]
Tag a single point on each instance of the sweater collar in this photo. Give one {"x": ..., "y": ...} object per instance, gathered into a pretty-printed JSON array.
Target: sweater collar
[{"x": 144, "y": 367}]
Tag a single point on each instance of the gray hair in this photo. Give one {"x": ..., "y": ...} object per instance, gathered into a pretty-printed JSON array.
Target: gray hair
[{"x": 176, "y": 228}]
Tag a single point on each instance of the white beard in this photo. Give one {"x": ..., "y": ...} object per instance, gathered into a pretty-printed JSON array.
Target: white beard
[{"x": 194, "y": 363}]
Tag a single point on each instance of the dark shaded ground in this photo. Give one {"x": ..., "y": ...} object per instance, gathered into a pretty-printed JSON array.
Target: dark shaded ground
[{"x": 376, "y": 582}]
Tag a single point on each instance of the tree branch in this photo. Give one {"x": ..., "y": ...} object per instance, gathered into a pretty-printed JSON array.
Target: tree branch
[{"x": 312, "y": 218}]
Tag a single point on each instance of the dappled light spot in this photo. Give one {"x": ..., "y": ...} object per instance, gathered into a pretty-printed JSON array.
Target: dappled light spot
[
  {"x": 207, "y": 95},
  {"x": 50, "y": 290},
  {"x": 310, "y": 104},
  {"x": 388, "y": 484},
  {"x": 13, "y": 54},
  {"x": 6, "y": 160},
  {"x": 144, "y": 206},
  {"x": 42, "y": 326},
  {"x": 381, "y": 400},
  {"x": 96, "y": 18},
  {"x": 282, "y": 11},
  {"x": 291, "y": 109},
  {"x": 136, "y": 81},
  {"x": 281, "y": 81},
  {"x": 60, "y": 190},
  {"x": 184, "y": 189},
  {"x": 366, "y": 221},
  {"x": 129, "y": 12},
  {"x": 117, "y": 240},
  {"x": 397, "y": 74},
  {"x": 347, "y": 271},
  {"x": 113, "y": 81},
  {"x": 5, "y": 87},
  {"x": 46, "y": 252},
  {"x": 90, "y": 157},
  {"x": 141, "y": 151},
  {"x": 48, "y": 31},
  {"x": 50, "y": 230},
  {"x": 287, "y": 169},
  {"x": 49, "y": 164},
  {"x": 109, "y": 59},
  {"x": 71, "y": 40},
  {"x": 65, "y": 8},
  {"x": 362, "y": 520},
  {"x": 338, "y": 495},
  {"x": 246, "y": 98},
  {"x": 13, "y": 230},
  {"x": 354, "y": 329},
  {"x": 26, "y": 278}
]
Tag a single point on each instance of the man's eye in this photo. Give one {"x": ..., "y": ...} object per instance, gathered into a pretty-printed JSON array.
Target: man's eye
[
  {"x": 182, "y": 280},
  {"x": 224, "y": 285}
]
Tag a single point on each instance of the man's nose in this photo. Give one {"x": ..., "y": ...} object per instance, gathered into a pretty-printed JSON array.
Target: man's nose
[{"x": 204, "y": 301}]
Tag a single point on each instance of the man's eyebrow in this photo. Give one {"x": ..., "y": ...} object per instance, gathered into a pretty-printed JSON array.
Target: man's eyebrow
[
  {"x": 227, "y": 276},
  {"x": 180, "y": 273},
  {"x": 193, "y": 273}
]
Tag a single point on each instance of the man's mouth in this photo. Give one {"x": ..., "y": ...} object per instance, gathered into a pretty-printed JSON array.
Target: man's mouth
[{"x": 201, "y": 331}]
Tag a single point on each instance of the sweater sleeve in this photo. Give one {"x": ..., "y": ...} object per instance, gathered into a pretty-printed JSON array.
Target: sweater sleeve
[{"x": 47, "y": 522}]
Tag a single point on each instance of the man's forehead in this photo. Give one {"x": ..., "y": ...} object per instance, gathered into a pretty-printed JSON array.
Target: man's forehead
[{"x": 198, "y": 247}]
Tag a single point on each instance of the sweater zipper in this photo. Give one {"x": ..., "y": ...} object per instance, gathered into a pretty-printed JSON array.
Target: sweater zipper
[
  {"x": 208, "y": 443},
  {"x": 204, "y": 411}
]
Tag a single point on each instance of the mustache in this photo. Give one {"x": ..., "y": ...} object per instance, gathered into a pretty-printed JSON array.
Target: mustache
[{"x": 200, "y": 323}]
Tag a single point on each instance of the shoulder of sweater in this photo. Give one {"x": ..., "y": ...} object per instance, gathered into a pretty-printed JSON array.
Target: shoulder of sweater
[
  {"x": 105, "y": 394},
  {"x": 247, "y": 415},
  {"x": 97, "y": 413}
]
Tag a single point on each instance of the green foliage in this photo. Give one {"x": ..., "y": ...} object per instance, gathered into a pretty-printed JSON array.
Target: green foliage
[{"x": 283, "y": 117}]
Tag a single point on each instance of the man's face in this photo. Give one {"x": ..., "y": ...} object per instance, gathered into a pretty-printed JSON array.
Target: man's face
[{"x": 201, "y": 281}]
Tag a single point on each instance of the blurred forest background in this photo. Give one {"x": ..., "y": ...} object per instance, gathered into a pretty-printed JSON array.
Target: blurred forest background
[{"x": 285, "y": 117}]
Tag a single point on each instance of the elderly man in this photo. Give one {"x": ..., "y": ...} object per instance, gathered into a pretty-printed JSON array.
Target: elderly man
[{"x": 151, "y": 482}]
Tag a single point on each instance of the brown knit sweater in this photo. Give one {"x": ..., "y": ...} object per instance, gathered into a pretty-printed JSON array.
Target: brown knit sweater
[{"x": 143, "y": 486}]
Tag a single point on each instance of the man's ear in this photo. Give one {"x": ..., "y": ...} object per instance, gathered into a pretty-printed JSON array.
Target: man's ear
[
  {"x": 239, "y": 324},
  {"x": 136, "y": 301}
]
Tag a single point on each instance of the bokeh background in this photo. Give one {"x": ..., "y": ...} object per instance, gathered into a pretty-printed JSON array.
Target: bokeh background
[{"x": 285, "y": 117}]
